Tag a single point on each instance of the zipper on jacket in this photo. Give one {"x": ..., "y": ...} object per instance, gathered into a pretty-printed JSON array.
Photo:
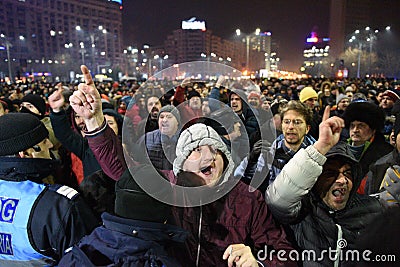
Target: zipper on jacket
[
  {"x": 199, "y": 237},
  {"x": 338, "y": 246}
]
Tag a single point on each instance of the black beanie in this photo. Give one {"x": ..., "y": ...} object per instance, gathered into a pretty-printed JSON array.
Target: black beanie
[
  {"x": 366, "y": 112},
  {"x": 37, "y": 101},
  {"x": 20, "y": 131},
  {"x": 193, "y": 93},
  {"x": 133, "y": 203}
]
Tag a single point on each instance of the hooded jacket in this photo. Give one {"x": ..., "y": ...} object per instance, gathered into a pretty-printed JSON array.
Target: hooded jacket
[
  {"x": 238, "y": 217},
  {"x": 316, "y": 227}
]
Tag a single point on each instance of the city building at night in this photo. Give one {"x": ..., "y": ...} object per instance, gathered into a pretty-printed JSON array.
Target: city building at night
[
  {"x": 250, "y": 52},
  {"x": 316, "y": 53},
  {"x": 48, "y": 36}
]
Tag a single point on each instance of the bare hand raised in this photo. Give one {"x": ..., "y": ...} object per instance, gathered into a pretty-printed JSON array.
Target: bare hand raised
[
  {"x": 86, "y": 101},
  {"x": 56, "y": 99},
  {"x": 329, "y": 132}
]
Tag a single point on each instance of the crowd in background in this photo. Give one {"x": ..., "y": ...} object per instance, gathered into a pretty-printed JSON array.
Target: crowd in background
[{"x": 259, "y": 131}]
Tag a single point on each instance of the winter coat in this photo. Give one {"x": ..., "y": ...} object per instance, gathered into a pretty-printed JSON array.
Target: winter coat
[
  {"x": 239, "y": 217},
  {"x": 315, "y": 226},
  {"x": 58, "y": 217},
  {"x": 160, "y": 149},
  {"x": 378, "y": 170},
  {"x": 373, "y": 150},
  {"x": 125, "y": 242}
]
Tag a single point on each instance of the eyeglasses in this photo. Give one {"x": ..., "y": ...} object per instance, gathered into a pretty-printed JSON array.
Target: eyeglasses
[{"x": 296, "y": 122}]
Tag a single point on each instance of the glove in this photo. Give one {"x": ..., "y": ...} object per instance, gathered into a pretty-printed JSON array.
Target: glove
[
  {"x": 261, "y": 146},
  {"x": 391, "y": 186}
]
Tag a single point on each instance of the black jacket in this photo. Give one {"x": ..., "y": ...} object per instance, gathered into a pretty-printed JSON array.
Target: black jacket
[{"x": 126, "y": 242}]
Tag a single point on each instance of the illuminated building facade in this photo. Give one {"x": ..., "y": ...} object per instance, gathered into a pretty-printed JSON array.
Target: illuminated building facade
[
  {"x": 58, "y": 35},
  {"x": 316, "y": 55}
]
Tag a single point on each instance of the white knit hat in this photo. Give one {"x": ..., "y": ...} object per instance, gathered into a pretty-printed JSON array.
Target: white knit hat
[{"x": 199, "y": 135}]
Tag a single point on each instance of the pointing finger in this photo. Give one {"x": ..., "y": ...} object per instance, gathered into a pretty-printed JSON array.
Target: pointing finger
[
  {"x": 327, "y": 113},
  {"x": 87, "y": 76}
]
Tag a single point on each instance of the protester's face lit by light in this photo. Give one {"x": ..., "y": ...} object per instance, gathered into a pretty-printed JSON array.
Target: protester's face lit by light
[
  {"x": 386, "y": 102},
  {"x": 205, "y": 108},
  {"x": 153, "y": 106},
  {"x": 343, "y": 104},
  {"x": 236, "y": 103},
  {"x": 339, "y": 192},
  {"x": 294, "y": 128},
  {"x": 30, "y": 107},
  {"x": 112, "y": 123},
  {"x": 360, "y": 132},
  {"x": 206, "y": 162},
  {"x": 167, "y": 123},
  {"x": 41, "y": 150},
  {"x": 311, "y": 102},
  {"x": 195, "y": 102}
]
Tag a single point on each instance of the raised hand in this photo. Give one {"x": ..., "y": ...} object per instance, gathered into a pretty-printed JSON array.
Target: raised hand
[
  {"x": 329, "y": 132},
  {"x": 86, "y": 102},
  {"x": 56, "y": 99}
]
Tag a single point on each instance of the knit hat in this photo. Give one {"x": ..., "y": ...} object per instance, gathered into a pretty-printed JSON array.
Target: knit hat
[
  {"x": 366, "y": 112},
  {"x": 307, "y": 93},
  {"x": 199, "y": 135},
  {"x": 193, "y": 93},
  {"x": 134, "y": 203},
  {"x": 392, "y": 94},
  {"x": 37, "y": 101},
  {"x": 172, "y": 110},
  {"x": 20, "y": 131},
  {"x": 254, "y": 94},
  {"x": 340, "y": 97}
]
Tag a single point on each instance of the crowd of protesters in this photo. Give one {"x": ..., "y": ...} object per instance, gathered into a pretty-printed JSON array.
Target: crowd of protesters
[{"x": 325, "y": 153}]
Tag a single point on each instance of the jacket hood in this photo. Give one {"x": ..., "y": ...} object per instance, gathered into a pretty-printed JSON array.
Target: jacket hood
[{"x": 342, "y": 151}]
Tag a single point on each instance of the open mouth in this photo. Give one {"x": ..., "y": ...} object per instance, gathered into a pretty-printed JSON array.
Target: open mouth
[
  {"x": 339, "y": 192},
  {"x": 206, "y": 170}
]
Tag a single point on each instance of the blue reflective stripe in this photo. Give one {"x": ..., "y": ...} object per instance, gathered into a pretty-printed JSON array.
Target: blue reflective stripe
[{"x": 16, "y": 202}]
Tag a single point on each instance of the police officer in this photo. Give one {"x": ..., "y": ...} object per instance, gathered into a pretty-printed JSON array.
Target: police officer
[{"x": 38, "y": 222}]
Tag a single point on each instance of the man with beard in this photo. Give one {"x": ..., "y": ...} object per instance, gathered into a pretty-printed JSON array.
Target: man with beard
[
  {"x": 315, "y": 194},
  {"x": 191, "y": 109},
  {"x": 150, "y": 123},
  {"x": 161, "y": 143}
]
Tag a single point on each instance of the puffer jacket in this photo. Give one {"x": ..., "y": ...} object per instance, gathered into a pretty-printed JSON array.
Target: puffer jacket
[
  {"x": 316, "y": 227},
  {"x": 378, "y": 169}
]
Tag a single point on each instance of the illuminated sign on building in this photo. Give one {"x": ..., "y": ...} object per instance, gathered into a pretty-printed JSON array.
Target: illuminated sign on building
[
  {"x": 192, "y": 24},
  {"x": 118, "y": 1},
  {"x": 314, "y": 38}
]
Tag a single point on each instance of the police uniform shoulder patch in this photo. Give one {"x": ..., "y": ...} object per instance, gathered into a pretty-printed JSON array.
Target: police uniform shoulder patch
[{"x": 66, "y": 191}]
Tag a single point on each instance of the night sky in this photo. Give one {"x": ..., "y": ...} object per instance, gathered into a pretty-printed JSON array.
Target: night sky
[{"x": 290, "y": 21}]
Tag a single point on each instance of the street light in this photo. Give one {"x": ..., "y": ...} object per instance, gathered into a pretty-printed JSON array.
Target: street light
[
  {"x": 8, "y": 46},
  {"x": 364, "y": 38}
]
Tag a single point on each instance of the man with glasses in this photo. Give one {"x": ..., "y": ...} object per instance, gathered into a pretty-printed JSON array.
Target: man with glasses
[
  {"x": 296, "y": 118},
  {"x": 315, "y": 194}
]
